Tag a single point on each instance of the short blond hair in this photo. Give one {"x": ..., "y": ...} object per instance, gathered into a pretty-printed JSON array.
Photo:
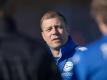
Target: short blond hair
[{"x": 52, "y": 14}]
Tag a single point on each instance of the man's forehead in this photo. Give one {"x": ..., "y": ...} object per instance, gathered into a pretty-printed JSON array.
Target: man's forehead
[{"x": 51, "y": 22}]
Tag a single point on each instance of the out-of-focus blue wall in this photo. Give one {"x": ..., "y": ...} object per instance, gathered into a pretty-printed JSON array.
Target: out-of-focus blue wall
[{"x": 82, "y": 27}]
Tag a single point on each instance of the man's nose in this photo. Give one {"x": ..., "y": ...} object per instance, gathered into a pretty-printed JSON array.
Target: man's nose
[{"x": 55, "y": 31}]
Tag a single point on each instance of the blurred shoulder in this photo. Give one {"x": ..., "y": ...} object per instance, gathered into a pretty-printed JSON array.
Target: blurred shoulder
[{"x": 80, "y": 50}]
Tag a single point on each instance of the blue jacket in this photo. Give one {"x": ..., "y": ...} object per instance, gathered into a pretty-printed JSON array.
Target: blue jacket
[
  {"x": 65, "y": 63},
  {"x": 93, "y": 62}
]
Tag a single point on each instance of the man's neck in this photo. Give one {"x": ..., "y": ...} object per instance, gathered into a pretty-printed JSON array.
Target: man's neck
[{"x": 55, "y": 52}]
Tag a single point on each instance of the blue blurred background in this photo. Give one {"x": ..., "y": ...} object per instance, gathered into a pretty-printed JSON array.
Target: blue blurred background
[{"x": 27, "y": 14}]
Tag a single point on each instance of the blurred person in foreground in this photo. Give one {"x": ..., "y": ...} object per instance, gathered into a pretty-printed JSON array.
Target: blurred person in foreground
[
  {"x": 55, "y": 32},
  {"x": 92, "y": 64},
  {"x": 22, "y": 58}
]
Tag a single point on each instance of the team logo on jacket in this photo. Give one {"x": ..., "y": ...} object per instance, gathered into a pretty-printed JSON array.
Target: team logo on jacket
[{"x": 68, "y": 66}]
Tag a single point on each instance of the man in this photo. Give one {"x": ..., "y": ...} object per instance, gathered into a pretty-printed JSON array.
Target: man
[
  {"x": 55, "y": 33},
  {"x": 93, "y": 62},
  {"x": 22, "y": 58}
]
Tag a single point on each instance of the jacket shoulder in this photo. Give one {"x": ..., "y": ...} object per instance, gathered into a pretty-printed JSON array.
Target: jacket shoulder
[{"x": 81, "y": 49}]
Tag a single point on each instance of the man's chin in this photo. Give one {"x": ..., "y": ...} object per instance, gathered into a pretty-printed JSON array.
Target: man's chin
[{"x": 57, "y": 46}]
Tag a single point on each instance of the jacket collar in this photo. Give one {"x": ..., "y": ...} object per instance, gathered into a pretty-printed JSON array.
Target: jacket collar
[{"x": 68, "y": 49}]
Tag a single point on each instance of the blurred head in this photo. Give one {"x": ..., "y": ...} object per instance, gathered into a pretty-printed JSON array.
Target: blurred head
[
  {"x": 7, "y": 23},
  {"x": 99, "y": 12},
  {"x": 54, "y": 29},
  {"x": 2, "y": 4}
]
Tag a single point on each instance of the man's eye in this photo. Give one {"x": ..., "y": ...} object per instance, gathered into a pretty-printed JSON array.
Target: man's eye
[
  {"x": 48, "y": 30},
  {"x": 60, "y": 27}
]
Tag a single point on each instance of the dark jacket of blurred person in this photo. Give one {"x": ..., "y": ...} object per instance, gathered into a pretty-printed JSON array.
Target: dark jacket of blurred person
[{"x": 22, "y": 58}]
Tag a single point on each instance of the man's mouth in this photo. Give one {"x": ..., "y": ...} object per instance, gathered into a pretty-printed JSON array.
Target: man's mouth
[{"x": 56, "y": 39}]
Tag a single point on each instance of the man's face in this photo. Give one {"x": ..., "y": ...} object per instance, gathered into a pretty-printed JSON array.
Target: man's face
[{"x": 54, "y": 32}]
